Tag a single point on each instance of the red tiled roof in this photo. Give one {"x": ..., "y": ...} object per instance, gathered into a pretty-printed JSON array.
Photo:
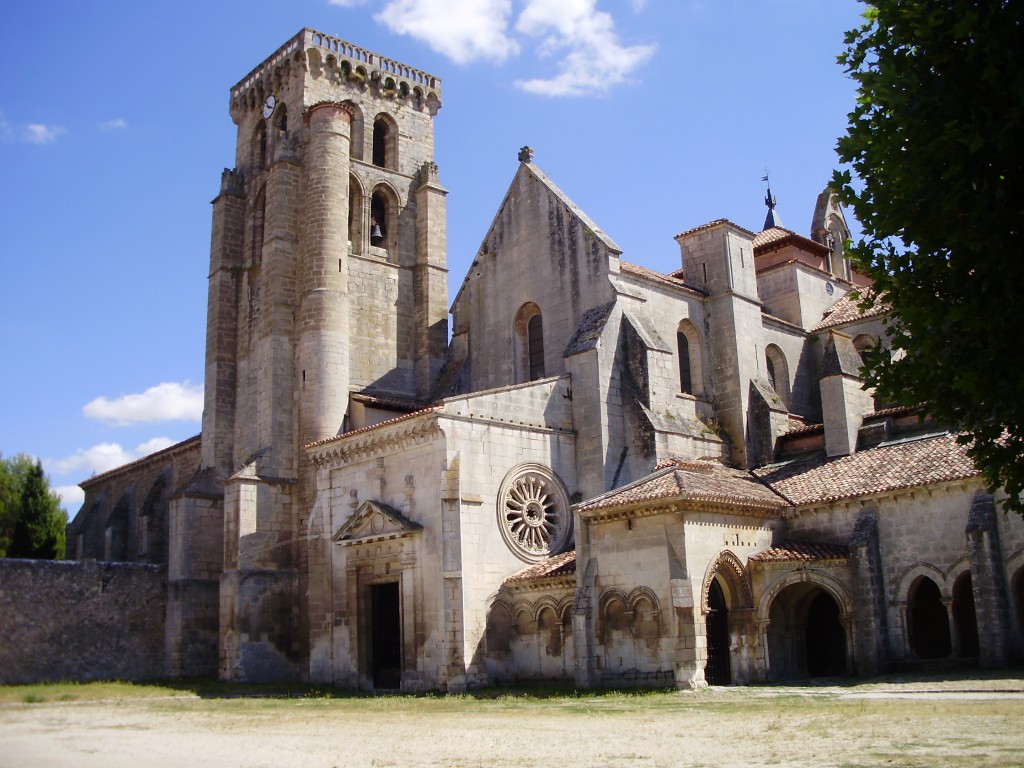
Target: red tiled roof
[
  {"x": 801, "y": 551},
  {"x": 776, "y": 237},
  {"x": 847, "y": 309},
  {"x": 771, "y": 235},
  {"x": 403, "y": 417},
  {"x": 701, "y": 481},
  {"x": 908, "y": 464},
  {"x": 558, "y": 565},
  {"x": 709, "y": 225},
  {"x": 650, "y": 274}
]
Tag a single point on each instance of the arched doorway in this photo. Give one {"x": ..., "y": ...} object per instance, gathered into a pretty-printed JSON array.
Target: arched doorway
[
  {"x": 716, "y": 671},
  {"x": 927, "y": 621},
  {"x": 964, "y": 617},
  {"x": 806, "y": 637}
]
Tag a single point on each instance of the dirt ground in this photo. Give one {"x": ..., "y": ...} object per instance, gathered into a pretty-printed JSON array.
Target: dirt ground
[{"x": 916, "y": 723}]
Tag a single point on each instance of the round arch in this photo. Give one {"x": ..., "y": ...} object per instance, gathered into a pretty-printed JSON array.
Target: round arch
[{"x": 829, "y": 583}]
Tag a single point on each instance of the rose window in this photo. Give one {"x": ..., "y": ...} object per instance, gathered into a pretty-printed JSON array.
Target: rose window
[{"x": 533, "y": 513}]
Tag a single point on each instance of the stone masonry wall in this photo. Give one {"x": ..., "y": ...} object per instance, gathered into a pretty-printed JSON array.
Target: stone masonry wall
[{"x": 81, "y": 621}]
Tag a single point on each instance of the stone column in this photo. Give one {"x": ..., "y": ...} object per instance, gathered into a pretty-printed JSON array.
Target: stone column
[
  {"x": 226, "y": 245},
  {"x": 322, "y": 329},
  {"x": 869, "y": 638},
  {"x": 323, "y": 322},
  {"x": 431, "y": 280},
  {"x": 988, "y": 582}
]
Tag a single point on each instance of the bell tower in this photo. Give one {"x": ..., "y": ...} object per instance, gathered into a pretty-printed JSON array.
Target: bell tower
[{"x": 327, "y": 278}]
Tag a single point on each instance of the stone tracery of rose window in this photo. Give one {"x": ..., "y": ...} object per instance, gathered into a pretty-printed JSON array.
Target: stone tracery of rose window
[{"x": 533, "y": 512}]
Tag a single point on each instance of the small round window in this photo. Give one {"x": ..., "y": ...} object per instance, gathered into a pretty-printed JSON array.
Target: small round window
[{"x": 533, "y": 513}]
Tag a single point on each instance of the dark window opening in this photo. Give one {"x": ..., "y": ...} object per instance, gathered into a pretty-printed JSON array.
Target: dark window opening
[
  {"x": 259, "y": 148},
  {"x": 378, "y": 221},
  {"x": 535, "y": 345},
  {"x": 683, "y": 345},
  {"x": 380, "y": 143},
  {"x": 771, "y": 373}
]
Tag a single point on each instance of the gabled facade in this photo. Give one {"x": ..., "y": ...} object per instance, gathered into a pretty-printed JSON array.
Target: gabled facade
[{"x": 610, "y": 476}]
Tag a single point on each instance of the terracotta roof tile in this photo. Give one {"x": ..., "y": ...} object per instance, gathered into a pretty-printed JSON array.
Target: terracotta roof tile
[
  {"x": 801, "y": 551},
  {"x": 847, "y": 309},
  {"x": 361, "y": 430},
  {"x": 709, "y": 225},
  {"x": 558, "y": 565},
  {"x": 906, "y": 464},
  {"x": 676, "y": 282},
  {"x": 705, "y": 481},
  {"x": 776, "y": 237},
  {"x": 771, "y": 235}
]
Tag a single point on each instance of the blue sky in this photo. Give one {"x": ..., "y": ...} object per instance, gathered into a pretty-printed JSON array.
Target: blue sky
[{"x": 653, "y": 115}]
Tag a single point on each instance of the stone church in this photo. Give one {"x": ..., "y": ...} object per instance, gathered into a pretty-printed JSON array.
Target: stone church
[{"x": 597, "y": 473}]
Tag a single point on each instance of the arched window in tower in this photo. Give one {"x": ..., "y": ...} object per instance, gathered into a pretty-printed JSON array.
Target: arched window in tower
[
  {"x": 778, "y": 372},
  {"x": 281, "y": 118},
  {"x": 529, "y": 341},
  {"x": 379, "y": 220},
  {"x": 258, "y": 149},
  {"x": 385, "y": 143},
  {"x": 355, "y": 216},
  {"x": 688, "y": 359}
]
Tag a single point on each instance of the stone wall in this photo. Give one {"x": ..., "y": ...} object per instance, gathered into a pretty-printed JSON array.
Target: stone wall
[{"x": 81, "y": 621}]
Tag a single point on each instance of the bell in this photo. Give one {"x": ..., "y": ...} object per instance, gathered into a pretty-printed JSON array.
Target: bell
[{"x": 375, "y": 234}]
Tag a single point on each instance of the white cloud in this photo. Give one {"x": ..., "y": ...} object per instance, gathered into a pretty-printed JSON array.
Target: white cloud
[
  {"x": 114, "y": 125},
  {"x": 593, "y": 60},
  {"x": 462, "y": 30},
  {"x": 98, "y": 458},
  {"x": 169, "y": 401},
  {"x": 102, "y": 457},
  {"x": 347, "y": 3},
  {"x": 37, "y": 133},
  {"x": 71, "y": 498}
]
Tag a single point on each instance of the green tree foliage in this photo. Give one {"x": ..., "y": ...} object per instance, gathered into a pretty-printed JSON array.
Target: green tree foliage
[
  {"x": 31, "y": 521},
  {"x": 936, "y": 149}
]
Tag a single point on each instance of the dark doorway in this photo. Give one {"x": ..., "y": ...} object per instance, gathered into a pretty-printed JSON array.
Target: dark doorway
[
  {"x": 825, "y": 638},
  {"x": 386, "y": 636},
  {"x": 964, "y": 617},
  {"x": 717, "y": 670},
  {"x": 929, "y": 623}
]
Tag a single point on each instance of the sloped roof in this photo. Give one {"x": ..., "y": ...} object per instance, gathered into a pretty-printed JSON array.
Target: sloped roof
[
  {"x": 675, "y": 279},
  {"x": 801, "y": 552},
  {"x": 557, "y": 565},
  {"x": 885, "y": 468},
  {"x": 776, "y": 237},
  {"x": 697, "y": 481},
  {"x": 847, "y": 310}
]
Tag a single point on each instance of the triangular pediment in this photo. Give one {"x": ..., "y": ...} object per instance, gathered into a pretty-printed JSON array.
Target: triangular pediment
[{"x": 375, "y": 521}]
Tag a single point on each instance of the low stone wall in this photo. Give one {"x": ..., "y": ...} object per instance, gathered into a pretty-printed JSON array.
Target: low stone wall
[{"x": 81, "y": 621}]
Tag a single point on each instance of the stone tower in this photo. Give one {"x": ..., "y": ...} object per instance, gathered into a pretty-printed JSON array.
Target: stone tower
[{"x": 327, "y": 280}]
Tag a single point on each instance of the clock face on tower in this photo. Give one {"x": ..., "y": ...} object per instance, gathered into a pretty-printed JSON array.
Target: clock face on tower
[{"x": 268, "y": 106}]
